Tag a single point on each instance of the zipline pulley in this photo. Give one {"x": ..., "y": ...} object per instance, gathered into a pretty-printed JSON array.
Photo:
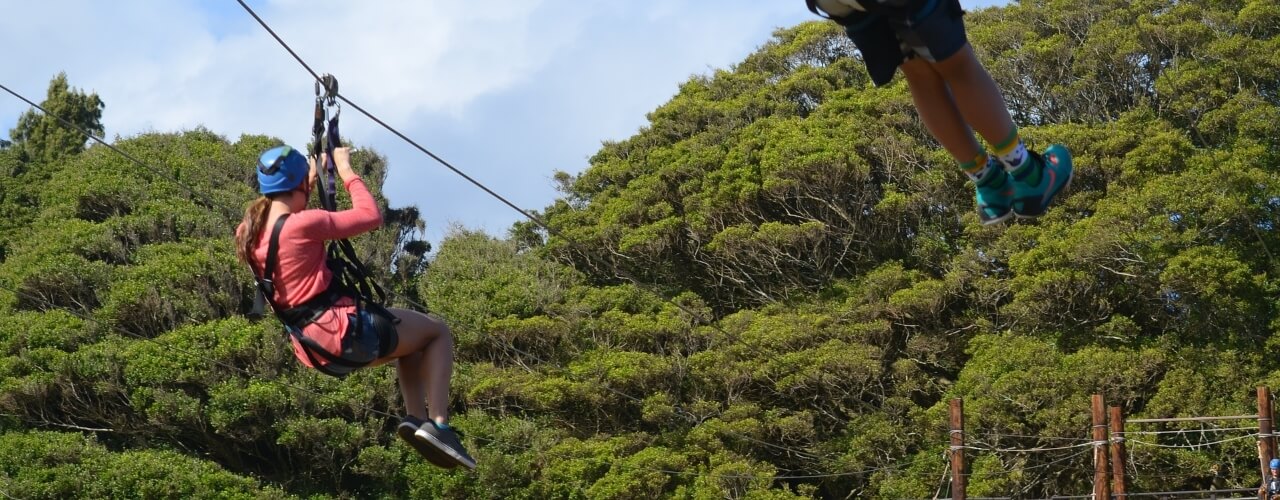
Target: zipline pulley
[
  {"x": 329, "y": 84},
  {"x": 326, "y": 142}
]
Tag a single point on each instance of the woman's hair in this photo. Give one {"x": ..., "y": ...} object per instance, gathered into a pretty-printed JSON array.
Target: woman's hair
[{"x": 255, "y": 216}]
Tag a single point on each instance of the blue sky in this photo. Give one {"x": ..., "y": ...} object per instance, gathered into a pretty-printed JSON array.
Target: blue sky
[{"x": 509, "y": 91}]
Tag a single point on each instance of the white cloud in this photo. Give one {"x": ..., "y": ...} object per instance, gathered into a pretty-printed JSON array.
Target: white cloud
[{"x": 160, "y": 66}]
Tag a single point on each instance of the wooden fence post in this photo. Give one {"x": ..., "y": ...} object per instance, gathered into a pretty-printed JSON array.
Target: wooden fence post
[
  {"x": 1101, "y": 483},
  {"x": 1117, "y": 453},
  {"x": 957, "y": 449}
]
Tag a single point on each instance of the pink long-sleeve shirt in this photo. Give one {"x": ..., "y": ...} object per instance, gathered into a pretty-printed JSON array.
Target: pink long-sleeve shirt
[{"x": 301, "y": 272}]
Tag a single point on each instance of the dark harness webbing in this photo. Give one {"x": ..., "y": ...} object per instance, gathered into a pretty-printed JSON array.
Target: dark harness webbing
[
  {"x": 351, "y": 279},
  {"x": 297, "y": 317}
]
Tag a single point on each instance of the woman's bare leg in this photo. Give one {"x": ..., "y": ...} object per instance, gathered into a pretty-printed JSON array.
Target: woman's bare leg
[
  {"x": 976, "y": 96},
  {"x": 424, "y": 364},
  {"x": 938, "y": 110}
]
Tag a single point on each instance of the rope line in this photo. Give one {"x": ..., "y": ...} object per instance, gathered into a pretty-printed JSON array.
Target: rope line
[
  {"x": 1197, "y": 431},
  {"x": 998, "y": 435},
  {"x": 942, "y": 481},
  {"x": 1031, "y": 450},
  {"x": 210, "y": 204},
  {"x": 1193, "y": 446}
]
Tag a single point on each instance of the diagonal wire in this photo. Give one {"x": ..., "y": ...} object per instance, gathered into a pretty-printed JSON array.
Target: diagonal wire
[
  {"x": 942, "y": 481},
  {"x": 1192, "y": 446},
  {"x": 1028, "y": 450},
  {"x": 209, "y": 203},
  {"x": 456, "y": 170},
  {"x": 213, "y": 205},
  {"x": 550, "y": 230}
]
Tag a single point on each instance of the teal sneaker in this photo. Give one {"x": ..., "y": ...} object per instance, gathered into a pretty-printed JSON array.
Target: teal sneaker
[
  {"x": 1036, "y": 184},
  {"x": 995, "y": 193}
]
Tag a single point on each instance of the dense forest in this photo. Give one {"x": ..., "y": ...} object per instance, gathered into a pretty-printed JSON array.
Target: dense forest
[{"x": 772, "y": 290}]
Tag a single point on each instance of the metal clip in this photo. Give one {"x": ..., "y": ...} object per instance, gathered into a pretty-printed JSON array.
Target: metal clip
[{"x": 330, "y": 85}]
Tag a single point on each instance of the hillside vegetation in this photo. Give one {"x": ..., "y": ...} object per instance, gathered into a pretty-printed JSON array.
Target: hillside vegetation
[{"x": 769, "y": 291}]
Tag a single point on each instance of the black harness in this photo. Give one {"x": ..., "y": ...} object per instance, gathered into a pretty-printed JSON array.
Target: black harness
[
  {"x": 297, "y": 317},
  {"x": 351, "y": 279}
]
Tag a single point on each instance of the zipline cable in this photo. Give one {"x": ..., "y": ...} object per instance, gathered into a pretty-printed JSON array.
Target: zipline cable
[
  {"x": 623, "y": 273},
  {"x": 389, "y": 127},
  {"x": 210, "y": 204},
  {"x": 550, "y": 230}
]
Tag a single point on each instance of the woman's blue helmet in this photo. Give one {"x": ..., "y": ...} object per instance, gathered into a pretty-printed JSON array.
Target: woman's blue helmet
[
  {"x": 281, "y": 169},
  {"x": 1275, "y": 463}
]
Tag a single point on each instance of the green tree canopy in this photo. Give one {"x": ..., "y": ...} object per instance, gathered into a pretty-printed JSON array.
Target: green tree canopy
[
  {"x": 769, "y": 291},
  {"x": 43, "y": 138}
]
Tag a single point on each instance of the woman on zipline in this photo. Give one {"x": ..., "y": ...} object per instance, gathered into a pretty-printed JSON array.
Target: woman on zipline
[{"x": 330, "y": 330}]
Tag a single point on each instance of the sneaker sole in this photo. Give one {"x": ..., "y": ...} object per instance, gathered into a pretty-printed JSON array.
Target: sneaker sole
[
  {"x": 429, "y": 452},
  {"x": 997, "y": 220},
  {"x": 470, "y": 464},
  {"x": 1064, "y": 187}
]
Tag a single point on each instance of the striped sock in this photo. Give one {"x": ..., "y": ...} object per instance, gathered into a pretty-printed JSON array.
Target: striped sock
[
  {"x": 975, "y": 167},
  {"x": 992, "y": 178},
  {"x": 1011, "y": 151}
]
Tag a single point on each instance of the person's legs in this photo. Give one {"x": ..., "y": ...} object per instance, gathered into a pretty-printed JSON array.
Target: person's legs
[
  {"x": 938, "y": 40},
  {"x": 943, "y": 117},
  {"x": 977, "y": 97},
  {"x": 424, "y": 364},
  {"x": 940, "y": 112},
  {"x": 1036, "y": 180}
]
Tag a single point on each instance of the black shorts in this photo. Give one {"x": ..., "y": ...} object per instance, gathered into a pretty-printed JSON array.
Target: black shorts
[
  {"x": 375, "y": 339},
  {"x": 377, "y": 331},
  {"x": 934, "y": 31}
]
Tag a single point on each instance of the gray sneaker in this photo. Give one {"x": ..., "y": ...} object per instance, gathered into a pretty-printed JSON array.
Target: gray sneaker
[
  {"x": 408, "y": 430},
  {"x": 443, "y": 438}
]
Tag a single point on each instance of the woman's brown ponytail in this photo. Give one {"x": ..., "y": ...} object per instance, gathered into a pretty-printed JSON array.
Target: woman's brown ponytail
[{"x": 255, "y": 216}]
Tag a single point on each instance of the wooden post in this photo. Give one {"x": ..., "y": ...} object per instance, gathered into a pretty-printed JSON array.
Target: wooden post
[
  {"x": 1101, "y": 484},
  {"x": 1271, "y": 418},
  {"x": 1266, "y": 442},
  {"x": 1117, "y": 453},
  {"x": 957, "y": 449}
]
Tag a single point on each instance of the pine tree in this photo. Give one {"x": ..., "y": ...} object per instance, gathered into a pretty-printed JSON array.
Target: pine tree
[{"x": 42, "y": 138}]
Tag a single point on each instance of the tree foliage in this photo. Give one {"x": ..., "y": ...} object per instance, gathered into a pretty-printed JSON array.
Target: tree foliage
[
  {"x": 43, "y": 138},
  {"x": 770, "y": 291}
]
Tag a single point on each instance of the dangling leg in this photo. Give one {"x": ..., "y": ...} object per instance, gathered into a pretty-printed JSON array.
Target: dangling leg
[
  {"x": 424, "y": 365},
  {"x": 1036, "y": 180},
  {"x": 942, "y": 116}
]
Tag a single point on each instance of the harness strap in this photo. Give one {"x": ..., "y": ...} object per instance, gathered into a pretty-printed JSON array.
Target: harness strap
[
  {"x": 297, "y": 317},
  {"x": 273, "y": 249},
  {"x": 331, "y": 142}
]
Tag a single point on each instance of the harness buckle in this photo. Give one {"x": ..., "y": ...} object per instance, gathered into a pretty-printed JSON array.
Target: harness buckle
[{"x": 329, "y": 84}]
